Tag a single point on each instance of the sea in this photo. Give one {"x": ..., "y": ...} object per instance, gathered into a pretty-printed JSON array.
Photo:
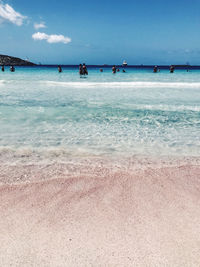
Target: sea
[{"x": 53, "y": 117}]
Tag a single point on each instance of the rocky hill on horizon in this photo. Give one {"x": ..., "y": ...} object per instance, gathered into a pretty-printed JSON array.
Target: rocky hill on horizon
[{"x": 15, "y": 61}]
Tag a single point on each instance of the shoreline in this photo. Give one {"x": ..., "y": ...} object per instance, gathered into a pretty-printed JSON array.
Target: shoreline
[{"x": 21, "y": 168}]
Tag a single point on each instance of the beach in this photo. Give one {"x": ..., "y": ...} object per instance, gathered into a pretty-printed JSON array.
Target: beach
[
  {"x": 98, "y": 216},
  {"x": 99, "y": 172}
]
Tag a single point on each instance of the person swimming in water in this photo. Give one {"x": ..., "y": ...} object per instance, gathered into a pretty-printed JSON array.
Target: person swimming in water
[
  {"x": 59, "y": 68},
  {"x": 12, "y": 68},
  {"x": 114, "y": 69},
  {"x": 85, "y": 71},
  {"x": 2, "y": 68},
  {"x": 80, "y": 69},
  {"x": 155, "y": 70},
  {"x": 172, "y": 69}
]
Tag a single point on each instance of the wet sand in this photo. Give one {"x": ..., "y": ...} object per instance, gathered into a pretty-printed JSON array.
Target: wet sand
[{"x": 100, "y": 216}]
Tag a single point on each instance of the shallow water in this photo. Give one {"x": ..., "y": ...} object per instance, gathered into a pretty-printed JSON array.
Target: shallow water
[{"x": 132, "y": 113}]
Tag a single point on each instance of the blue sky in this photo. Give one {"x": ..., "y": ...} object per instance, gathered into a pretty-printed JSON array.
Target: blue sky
[{"x": 101, "y": 32}]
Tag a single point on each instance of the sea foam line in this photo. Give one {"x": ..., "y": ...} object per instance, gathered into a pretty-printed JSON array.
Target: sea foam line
[
  {"x": 166, "y": 108},
  {"x": 125, "y": 84},
  {"x": 2, "y": 82}
]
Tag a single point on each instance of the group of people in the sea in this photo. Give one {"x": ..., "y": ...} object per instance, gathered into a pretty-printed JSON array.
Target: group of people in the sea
[
  {"x": 12, "y": 68},
  {"x": 171, "y": 69},
  {"x": 156, "y": 69},
  {"x": 83, "y": 69},
  {"x": 115, "y": 69}
]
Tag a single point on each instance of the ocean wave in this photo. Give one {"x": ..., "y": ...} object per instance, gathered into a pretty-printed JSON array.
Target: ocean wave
[
  {"x": 172, "y": 108},
  {"x": 2, "y": 82},
  {"x": 125, "y": 84}
]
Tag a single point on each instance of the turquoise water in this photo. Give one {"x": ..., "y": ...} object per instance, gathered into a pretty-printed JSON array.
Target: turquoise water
[{"x": 133, "y": 113}]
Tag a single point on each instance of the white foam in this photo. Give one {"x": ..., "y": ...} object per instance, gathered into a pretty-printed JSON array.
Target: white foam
[
  {"x": 167, "y": 108},
  {"x": 125, "y": 84},
  {"x": 2, "y": 82}
]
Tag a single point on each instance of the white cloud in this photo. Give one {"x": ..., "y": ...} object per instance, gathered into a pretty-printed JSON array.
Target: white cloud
[
  {"x": 7, "y": 13},
  {"x": 40, "y": 36},
  {"x": 39, "y": 25},
  {"x": 53, "y": 38}
]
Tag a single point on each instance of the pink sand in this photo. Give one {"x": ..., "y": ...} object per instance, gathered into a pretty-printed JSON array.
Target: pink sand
[{"x": 142, "y": 217}]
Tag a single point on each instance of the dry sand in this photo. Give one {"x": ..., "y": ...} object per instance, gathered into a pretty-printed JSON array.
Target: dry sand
[{"x": 145, "y": 217}]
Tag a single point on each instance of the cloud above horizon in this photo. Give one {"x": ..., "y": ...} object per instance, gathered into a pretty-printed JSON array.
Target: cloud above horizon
[
  {"x": 40, "y": 25},
  {"x": 7, "y": 13},
  {"x": 52, "y": 38}
]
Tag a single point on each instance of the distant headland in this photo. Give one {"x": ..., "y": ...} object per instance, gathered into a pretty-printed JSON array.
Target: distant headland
[{"x": 8, "y": 60}]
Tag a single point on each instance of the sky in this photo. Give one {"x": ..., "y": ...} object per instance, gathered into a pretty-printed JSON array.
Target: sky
[{"x": 101, "y": 31}]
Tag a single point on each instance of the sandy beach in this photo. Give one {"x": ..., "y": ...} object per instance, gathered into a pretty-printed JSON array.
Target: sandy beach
[{"x": 126, "y": 215}]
